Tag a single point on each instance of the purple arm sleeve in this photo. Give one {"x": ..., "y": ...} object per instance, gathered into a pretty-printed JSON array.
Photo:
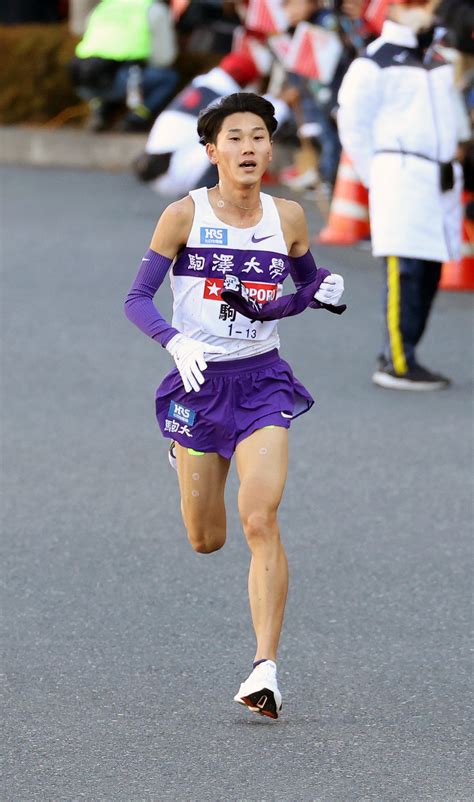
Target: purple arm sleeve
[
  {"x": 139, "y": 306},
  {"x": 303, "y": 270},
  {"x": 304, "y": 273}
]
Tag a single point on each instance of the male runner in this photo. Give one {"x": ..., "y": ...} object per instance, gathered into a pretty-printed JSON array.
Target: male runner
[{"x": 230, "y": 391}]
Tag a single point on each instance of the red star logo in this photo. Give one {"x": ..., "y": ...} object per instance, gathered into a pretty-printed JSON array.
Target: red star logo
[{"x": 213, "y": 289}]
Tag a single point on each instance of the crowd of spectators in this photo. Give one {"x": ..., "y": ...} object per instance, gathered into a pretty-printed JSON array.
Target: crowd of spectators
[
  {"x": 129, "y": 58},
  {"x": 127, "y": 66}
]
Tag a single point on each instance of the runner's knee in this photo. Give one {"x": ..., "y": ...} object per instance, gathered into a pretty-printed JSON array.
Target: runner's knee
[
  {"x": 204, "y": 536},
  {"x": 206, "y": 540},
  {"x": 260, "y": 526}
]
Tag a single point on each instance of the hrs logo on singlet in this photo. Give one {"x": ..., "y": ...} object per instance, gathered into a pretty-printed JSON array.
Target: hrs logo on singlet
[{"x": 213, "y": 236}]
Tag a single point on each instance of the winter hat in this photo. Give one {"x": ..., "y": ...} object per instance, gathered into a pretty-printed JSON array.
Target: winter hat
[{"x": 241, "y": 67}]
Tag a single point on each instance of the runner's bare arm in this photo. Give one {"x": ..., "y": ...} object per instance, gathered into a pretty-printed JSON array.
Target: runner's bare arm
[
  {"x": 173, "y": 227},
  {"x": 294, "y": 226}
]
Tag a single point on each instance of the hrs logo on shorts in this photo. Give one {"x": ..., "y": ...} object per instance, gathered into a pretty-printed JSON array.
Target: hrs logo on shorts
[
  {"x": 181, "y": 413},
  {"x": 213, "y": 236}
]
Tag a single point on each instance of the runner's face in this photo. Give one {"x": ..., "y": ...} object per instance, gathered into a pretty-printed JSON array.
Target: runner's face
[{"x": 243, "y": 148}]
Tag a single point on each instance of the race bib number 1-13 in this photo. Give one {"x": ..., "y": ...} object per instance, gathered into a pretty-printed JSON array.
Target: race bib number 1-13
[{"x": 219, "y": 319}]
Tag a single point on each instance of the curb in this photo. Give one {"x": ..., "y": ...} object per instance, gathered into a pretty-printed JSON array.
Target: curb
[{"x": 43, "y": 147}]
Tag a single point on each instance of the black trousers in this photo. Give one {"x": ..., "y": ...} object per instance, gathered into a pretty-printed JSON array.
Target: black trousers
[{"x": 410, "y": 288}]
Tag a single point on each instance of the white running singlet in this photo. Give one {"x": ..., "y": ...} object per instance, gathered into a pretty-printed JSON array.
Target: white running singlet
[{"x": 257, "y": 255}]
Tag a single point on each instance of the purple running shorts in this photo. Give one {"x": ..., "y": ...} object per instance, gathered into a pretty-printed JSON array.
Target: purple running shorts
[{"x": 237, "y": 398}]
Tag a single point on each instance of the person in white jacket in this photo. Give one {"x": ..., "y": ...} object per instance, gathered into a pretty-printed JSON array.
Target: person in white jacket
[{"x": 399, "y": 125}]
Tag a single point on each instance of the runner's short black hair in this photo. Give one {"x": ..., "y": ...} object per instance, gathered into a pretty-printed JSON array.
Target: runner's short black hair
[{"x": 210, "y": 119}]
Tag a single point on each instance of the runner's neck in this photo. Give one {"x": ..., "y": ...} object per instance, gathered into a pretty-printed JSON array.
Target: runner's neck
[{"x": 241, "y": 209}]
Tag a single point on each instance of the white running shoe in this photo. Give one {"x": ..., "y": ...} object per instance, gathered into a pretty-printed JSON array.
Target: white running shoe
[
  {"x": 260, "y": 691},
  {"x": 172, "y": 455}
]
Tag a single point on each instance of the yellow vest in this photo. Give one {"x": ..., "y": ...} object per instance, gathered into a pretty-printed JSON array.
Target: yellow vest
[{"x": 119, "y": 30}]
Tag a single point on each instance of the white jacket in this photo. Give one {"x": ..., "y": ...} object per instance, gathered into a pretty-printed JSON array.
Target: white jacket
[{"x": 392, "y": 101}]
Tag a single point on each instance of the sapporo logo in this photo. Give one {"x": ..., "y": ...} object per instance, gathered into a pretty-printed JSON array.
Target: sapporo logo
[
  {"x": 213, "y": 236},
  {"x": 181, "y": 413},
  {"x": 261, "y": 292}
]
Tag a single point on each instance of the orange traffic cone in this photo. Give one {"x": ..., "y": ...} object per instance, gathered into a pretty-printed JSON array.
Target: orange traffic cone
[
  {"x": 460, "y": 275},
  {"x": 349, "y": 213}
]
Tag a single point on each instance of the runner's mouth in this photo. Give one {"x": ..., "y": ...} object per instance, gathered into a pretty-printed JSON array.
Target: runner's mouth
[{"x": 248, "y": 163}]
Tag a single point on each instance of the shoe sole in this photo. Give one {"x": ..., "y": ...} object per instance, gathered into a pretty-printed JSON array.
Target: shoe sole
[
  {"x": 262, "y": 702},
  {"x": 398, "y": 383}
]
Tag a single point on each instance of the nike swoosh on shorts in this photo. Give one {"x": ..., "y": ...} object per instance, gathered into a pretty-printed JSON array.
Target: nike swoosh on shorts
[
  {"x": 260, "y": 239},
  {"x": 285, "y": 415}
]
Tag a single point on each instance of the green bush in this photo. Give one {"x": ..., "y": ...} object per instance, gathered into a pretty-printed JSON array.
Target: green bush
[{"x": 34, "y": 81}]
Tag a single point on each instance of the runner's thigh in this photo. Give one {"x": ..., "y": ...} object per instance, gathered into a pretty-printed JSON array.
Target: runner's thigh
[
  {"x": 262, "y": 464},
  {"x": 202, "y": 483}
]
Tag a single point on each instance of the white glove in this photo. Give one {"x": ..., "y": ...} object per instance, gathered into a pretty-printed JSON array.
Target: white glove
[
  {"x": 189, "y": 357},
  {"x": 331, "y": 289}
]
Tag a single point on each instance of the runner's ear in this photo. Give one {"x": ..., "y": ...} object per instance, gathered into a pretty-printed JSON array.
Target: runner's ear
[{"x": 211, "y": 152}]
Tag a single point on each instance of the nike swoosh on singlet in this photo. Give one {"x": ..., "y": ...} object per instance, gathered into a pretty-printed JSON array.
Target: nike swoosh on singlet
[{"x": 260, "y": 239}]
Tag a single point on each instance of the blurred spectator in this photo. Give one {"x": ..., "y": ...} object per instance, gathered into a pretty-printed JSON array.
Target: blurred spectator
[
  {"x": 125, "y": 56},
  {"x": 79, "y": 11},
  {"x": 400, "y": 131},
  {"x": 208, "y": 26},
  {"x": 353, "y": 9},
  {"x": 458, "y": 17},
  {"x": 315, "y": 102},
  {"x": 14, "y": 12},
  {"x": 174, "y": 159}
]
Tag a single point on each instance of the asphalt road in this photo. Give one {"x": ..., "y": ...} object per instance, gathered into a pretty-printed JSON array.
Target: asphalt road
[{"x": 121, "y": 648}]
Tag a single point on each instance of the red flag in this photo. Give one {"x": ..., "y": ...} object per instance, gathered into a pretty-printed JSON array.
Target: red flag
[
  {"x": 265, "y": 16},
  {"x": 280, "y": 46},
  {"x": 314, "y": 52},
  {"x": 244, "y": 42},
  {"x": 301, "y": 58},
  {"x": 375, "y": 14}
]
